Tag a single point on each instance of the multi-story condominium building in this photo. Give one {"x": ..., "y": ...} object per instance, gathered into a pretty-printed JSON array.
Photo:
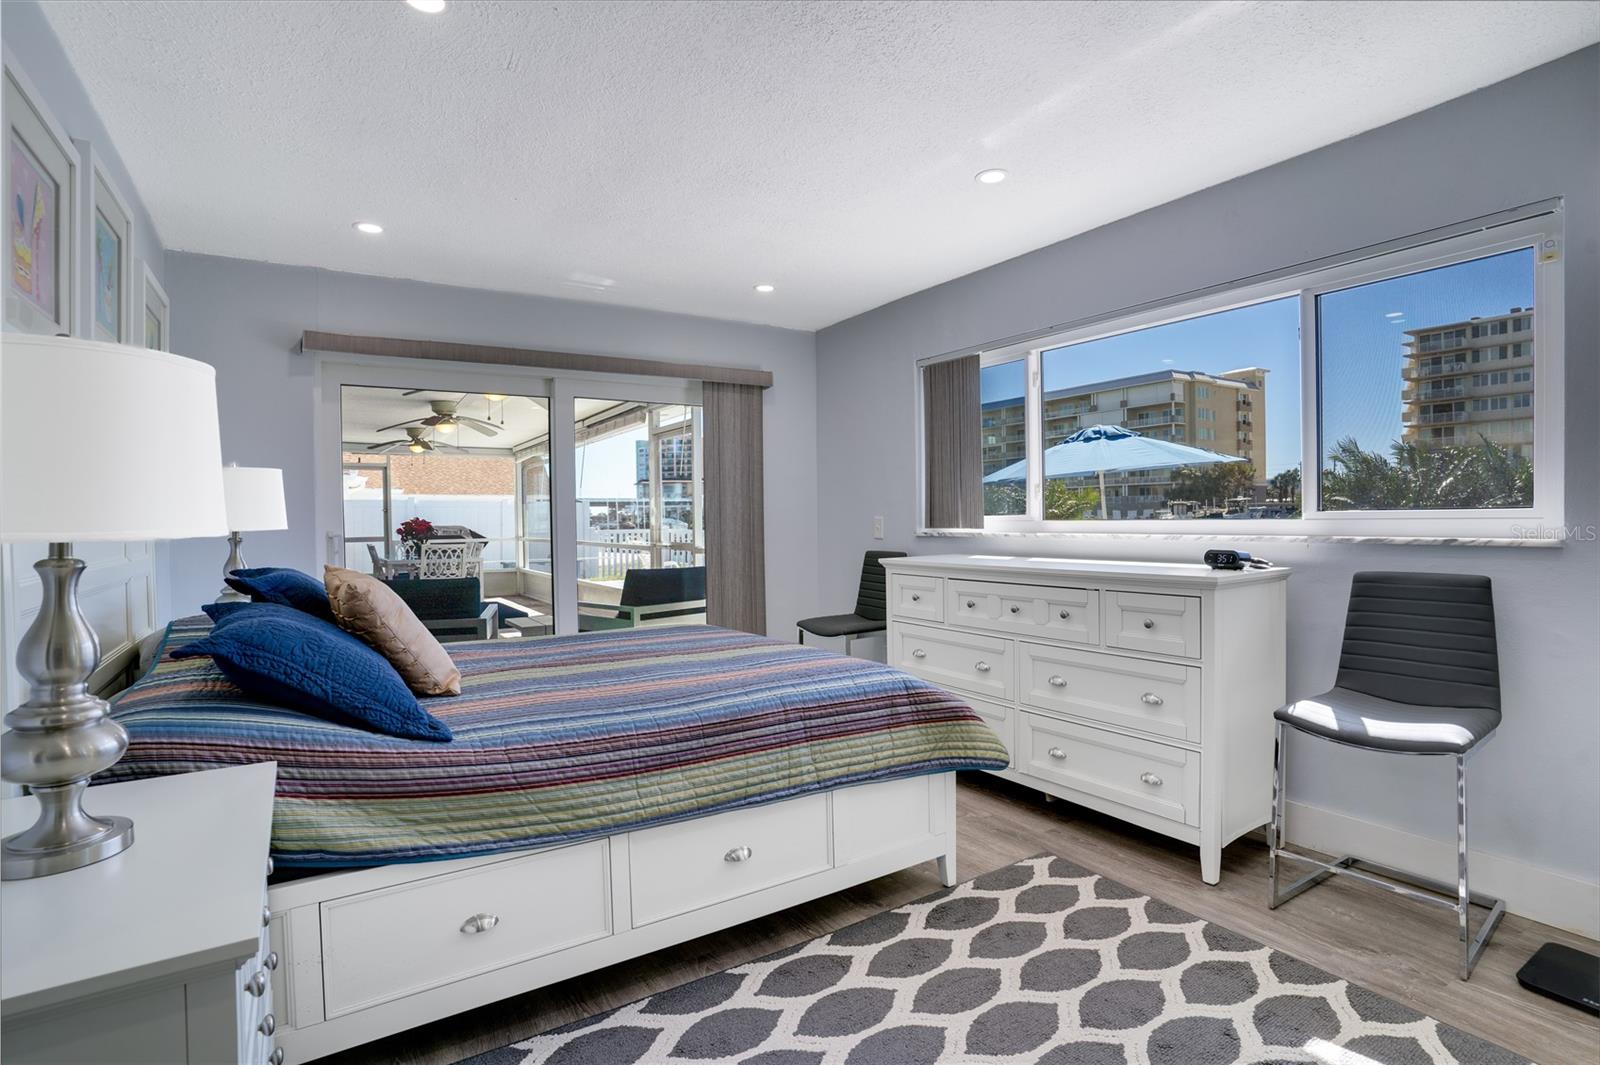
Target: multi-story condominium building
[
  {"x": 1472, "y": 380},
  {"x": 1225, "y": 413}
]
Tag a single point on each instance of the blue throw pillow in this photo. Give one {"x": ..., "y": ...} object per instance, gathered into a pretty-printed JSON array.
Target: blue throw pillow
[
  {"x": 288, "y": 657},
  {"x": 218, "y": 612},
  {"x": 287, "y": 587}
]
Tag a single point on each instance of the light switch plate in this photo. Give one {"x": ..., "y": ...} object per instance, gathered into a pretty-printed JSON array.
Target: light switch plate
[{"x": 877, "y": 527}]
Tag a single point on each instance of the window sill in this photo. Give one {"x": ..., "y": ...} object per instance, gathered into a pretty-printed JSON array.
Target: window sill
[{"x": 1246, "y": 537}]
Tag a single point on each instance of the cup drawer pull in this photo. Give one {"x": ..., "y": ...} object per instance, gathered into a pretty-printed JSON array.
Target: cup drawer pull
[
  {"x": 1065, "y": 614},
  {"x": 257, "y": 984},
  {"x": 1151, "y": 699},
  {"x": 916, "y": 597},
  {"x": 1058, "y": 681},
  {"x": 738, "y": 854},
  {"x": 268, "y": 1025},
  {"x": 270, "y": 962},
  {"x": 1150, "y": 779},
  {"x": 479, "y": 922},
  {"x": 1057, "y": 753},
  {"x": 981, "y": 667},
  {"x": 1016, "y": 610},
  {"x": 919, "y": 653}
]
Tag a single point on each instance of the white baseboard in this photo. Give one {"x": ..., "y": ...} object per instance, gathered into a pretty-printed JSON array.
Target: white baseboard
[{"x": 1529, "y": 890}]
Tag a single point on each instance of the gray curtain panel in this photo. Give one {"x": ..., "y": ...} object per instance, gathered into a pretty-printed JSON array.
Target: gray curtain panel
[
  {"x": 952, "y": 419},
  {"x": 736, "y": 562}
]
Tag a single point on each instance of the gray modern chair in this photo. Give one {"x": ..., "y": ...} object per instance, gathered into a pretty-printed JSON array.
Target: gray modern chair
[
  {"x": 1418, "y": 674},
  {"x": 872, "y": 605}
]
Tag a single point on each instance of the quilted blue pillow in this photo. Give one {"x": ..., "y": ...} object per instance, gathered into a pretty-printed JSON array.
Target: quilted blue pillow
[
  {"x": 288, "y": 657},
  {"x": 287, "y": 587}
]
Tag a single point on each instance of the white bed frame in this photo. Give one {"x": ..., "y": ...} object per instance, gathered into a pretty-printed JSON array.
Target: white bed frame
[{"x": 365, "y": 953}]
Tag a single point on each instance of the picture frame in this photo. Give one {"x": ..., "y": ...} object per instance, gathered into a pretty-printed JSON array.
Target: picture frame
[
  {"x": 42, "y": 178},
  {"x": 157, "y": 308},
  {"x": 107, "y": 269}
]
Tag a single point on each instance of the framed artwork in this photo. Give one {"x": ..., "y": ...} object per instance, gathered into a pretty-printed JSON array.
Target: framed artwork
[
  {"x": 42, "y": 203},
  {"x": 109, "y": 257},
  {"x": 157, "y": 311}
]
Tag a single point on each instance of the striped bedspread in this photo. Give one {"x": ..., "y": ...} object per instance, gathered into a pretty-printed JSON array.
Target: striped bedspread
[{"x": 557, "y": 739}]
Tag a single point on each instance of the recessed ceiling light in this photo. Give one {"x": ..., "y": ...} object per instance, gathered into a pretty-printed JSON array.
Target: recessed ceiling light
[
  {"x": 992, "y": 177},
  {"x": 764, "y": 287},
  {"x": 370, "y": 228},
  {"x": 427, "y": 7}
]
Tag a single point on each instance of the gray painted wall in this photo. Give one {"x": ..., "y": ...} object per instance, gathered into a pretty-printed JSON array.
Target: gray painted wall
[
  {"x": 244, "y": 318},
  {"x": 1536, "y": 787}
]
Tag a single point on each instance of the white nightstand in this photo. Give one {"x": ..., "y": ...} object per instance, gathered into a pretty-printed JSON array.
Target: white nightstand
[{"x": 158, "y": 954}]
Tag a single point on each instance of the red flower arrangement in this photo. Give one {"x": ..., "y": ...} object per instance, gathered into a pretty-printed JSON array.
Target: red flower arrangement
[{"x": 413, "y": 531}]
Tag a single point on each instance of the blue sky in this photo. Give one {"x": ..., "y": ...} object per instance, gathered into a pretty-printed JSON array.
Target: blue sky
[{"x": 1363, "y": 330}]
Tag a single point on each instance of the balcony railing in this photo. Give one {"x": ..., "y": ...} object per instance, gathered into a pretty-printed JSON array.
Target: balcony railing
[
  {"x": 1436, "y": 369},
  {"x": 1428, "y": 395}
]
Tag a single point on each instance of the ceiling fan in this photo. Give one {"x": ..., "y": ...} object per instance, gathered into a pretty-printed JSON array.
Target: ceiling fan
[
  {"x": 445, "y": 419},
  {"x": 416, "y": 442}
]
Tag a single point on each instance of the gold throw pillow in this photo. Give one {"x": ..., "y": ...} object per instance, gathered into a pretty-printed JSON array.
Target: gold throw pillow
[{"x": 368, "y": 608}]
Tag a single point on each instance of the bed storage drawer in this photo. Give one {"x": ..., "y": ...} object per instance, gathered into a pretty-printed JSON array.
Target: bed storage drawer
[
  {"x": 1154, "y": 777},
  {"x": 1160, "y": 698},
  {"x": 1164, "y": 624},
  {"x": 381, "y": 945},
  {"x": 681, "y": 867},
  {"x": 965, "y": 661},
  {"x": 918, "y": 598}
]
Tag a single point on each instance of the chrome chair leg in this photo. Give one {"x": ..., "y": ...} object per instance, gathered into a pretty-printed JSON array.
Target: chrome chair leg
[
  {"x": 847, "y": 642},
  {"x": 1275, "y": 829}
]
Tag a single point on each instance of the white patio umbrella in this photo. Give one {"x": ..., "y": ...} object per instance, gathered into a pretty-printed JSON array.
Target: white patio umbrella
[{"x": 1102, "y": 449}]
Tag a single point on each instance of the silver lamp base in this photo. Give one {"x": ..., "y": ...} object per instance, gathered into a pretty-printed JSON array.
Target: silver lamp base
[
  {"x": 235, "y": 561},
  {"x": 61, "y": 736}
]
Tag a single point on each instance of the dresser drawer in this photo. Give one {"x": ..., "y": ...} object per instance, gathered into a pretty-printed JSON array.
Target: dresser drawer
[
  {"x": 1164, "y": 624},
  {"x": 384, "y": 944},
  {"x": 681, "y": 867},
  {"x": 967, "y": 661},
  {"x": 1068, "y": 614},
  {"x": 917, "y": 598},
  {"x": 1161, "y": 698},
  {"x": 1154, "y": 777}
]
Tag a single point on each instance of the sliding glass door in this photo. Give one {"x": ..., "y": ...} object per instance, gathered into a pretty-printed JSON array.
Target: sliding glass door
[{"x": 640, "y": 512}]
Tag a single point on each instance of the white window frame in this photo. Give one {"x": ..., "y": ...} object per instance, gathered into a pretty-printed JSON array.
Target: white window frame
[{"x": 1540, "y": 524}]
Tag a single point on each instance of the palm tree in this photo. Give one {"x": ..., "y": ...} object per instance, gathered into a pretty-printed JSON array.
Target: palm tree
[
  {"x": 1285, "y": 485},
  {"x": 1416, "y": 477}
]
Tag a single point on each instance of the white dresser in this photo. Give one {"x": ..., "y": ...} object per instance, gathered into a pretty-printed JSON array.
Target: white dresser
[
  {"x": 1142, "y": 690},
  {"x": 159, "y": 954}
]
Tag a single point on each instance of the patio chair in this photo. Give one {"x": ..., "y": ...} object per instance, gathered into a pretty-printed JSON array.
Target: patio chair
[
  {"x": 450, "y": 607},
  {"x": 671, "y": 596},
  {"x": 380, "y": 565},
  {"x": 444, "y": 559},
  {"x": 871, "y": 613}
]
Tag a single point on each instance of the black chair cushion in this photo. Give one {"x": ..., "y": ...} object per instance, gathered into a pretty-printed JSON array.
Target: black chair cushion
[
  {"x": 440, "y": 600},
  {"x": 842, "y": 625},
  {"x": 1363, "y": 720},
  {"x": 654, "y": 587},
  {"x": 872, "y": 595},
  {"x": 1427, "y": 639}
]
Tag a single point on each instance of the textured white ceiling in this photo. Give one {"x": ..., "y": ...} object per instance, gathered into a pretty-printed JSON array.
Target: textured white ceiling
[{"x": 671, "y": 155}]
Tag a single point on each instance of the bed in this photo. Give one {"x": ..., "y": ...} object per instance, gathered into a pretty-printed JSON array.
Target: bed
[{"x": 605, "y": 795}]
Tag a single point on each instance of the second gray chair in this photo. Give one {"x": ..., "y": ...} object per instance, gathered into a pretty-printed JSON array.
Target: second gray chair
[
  {"x": 872, "y": 605},
  {"x": 1419, "y": 673}
]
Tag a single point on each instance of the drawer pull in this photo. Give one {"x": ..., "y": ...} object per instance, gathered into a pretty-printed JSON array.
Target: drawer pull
[
  {"x": 268, "y": 1025},
  {"x": 1151, "y": 699},
  {"x": 919, "y": 653},
  {"x": 479, "y": 922},
  {"x": 257, "y": 984},
  {"x": 276, "y": 1057},
  {"x": 1016, "y": 610},
  {"x": 971, "y": 604},
  {"x": 738, "y": 854},
  {"x": 1058, "y": 681},
  {"x": 270, "y": 962},
  {"x": 915, "y": 598},
  {"x": 1150, "y": 779},
  {"x": 266, "y": 917},
  {"x": 1065, "y": 614},
  {"x": 1149, "y": 623},
  {"x": 981, "y": 667},
  {"x": 1056, "y": 752},
  {"x": 270, "y": 866}
]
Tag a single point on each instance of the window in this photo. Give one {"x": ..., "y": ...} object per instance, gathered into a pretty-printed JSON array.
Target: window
[{"x": 1401, "y": 382}]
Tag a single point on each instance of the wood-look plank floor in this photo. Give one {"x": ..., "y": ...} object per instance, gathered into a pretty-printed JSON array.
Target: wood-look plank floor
[{"x": 1401, "y": 949}]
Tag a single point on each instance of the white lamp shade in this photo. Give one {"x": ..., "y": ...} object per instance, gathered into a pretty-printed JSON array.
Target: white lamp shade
[
  {"x": 255, "y": 498},
  {"x": 106, "y": 442}
]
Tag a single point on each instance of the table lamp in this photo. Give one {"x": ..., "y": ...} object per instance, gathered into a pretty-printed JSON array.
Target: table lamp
[
  {"x": 97, "y": 442},
  {"x": 254, "y": 497}
]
